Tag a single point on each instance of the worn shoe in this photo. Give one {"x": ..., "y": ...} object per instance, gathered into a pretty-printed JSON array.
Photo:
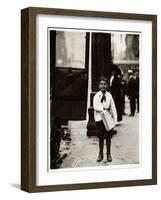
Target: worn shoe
[
  {"x": 109, "y": 158},
  {"x": 100, "y": 157}
]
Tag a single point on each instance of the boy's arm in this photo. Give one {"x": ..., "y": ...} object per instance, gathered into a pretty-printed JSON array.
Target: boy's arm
[{"x": 97, "y": 104}]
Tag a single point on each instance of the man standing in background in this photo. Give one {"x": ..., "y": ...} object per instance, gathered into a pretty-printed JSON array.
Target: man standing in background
[
  {"x": 116, "y": 91},
  {"x": 137, "y": 90},
  {"x": 132, "y": 91}
]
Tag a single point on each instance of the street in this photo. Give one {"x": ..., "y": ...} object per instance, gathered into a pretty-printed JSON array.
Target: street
[{"x": 82, "y": 151}]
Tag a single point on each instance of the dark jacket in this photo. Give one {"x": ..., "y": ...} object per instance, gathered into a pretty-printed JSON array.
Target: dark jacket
[
  {"x": 132, "y": 87},
  {"x": 116, "y": 91}
]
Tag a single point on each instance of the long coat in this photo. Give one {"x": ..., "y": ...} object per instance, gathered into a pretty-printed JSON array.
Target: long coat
[
  {"x": 116, "y": 91},
  {"x": 132, "y": 88}
]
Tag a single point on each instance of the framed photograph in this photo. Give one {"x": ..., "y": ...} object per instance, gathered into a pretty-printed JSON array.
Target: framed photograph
[{"x": 77, "y": 66}]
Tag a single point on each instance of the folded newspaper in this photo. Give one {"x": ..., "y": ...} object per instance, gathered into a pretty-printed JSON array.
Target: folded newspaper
[{"x": 108, "y": 120}]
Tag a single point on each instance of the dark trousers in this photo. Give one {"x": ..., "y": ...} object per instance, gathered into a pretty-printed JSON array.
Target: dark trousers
[
  {"x": 137, "y": 103},
  {"x": 118, "y": 105},
  {"x": 132, "y": 105},
  {"x": 101, "y": 145},
  {"x": 103, "y": 135}
]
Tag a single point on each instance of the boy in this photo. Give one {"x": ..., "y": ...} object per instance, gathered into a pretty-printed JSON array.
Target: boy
[{"x": 103, "y": 101}]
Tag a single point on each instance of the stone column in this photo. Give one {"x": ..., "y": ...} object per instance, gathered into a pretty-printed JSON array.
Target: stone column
[{"x": 101, "y": 64}]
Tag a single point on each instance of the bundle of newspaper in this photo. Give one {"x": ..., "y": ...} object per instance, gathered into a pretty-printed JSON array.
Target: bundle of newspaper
[{"x": 108, "y": 120}]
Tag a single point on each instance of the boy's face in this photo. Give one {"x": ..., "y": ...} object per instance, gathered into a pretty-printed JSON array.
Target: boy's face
[{"x": 103, "y": 86}]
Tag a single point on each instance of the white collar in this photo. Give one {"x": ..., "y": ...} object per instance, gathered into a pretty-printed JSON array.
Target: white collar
[{"x": 100, "y": 93}]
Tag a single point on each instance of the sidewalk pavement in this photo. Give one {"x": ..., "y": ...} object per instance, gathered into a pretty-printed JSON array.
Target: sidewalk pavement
[{"x": 82, "y": 151}]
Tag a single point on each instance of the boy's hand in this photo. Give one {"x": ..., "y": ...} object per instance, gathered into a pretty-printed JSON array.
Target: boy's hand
[{"x": 106, "y": 108}]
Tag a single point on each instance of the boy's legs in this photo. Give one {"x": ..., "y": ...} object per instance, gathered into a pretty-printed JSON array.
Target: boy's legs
[
  {"x": 108, "y": 146},
  {"x": 101, "y": 145}
]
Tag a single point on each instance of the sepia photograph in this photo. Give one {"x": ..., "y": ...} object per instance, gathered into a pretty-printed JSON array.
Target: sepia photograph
[
  {"x": 93, "y": 98},
  {"x": 89, "y": 99}
]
